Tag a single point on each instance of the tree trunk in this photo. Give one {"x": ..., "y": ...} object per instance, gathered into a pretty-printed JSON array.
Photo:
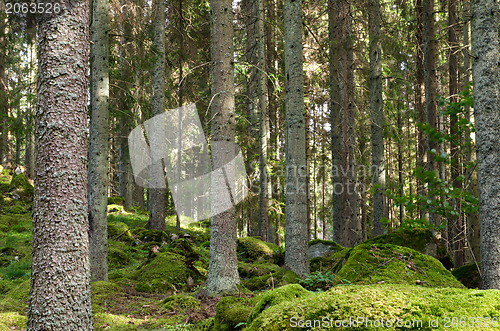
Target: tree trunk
[
  {"x": 296, "y": 205},
  {"x": 377, "y": 113},
  {"x": 60, "y": 273},
  {"x": 223, "y": 277},
  {"x": 336, "y": 131},
  {"x": 263, "y": 122},
  {"x": 485, "y": 75},
  {"x": 98, "y": 153},
  {"x": 157, "y": 195},
  {"x": 430, "y": 80},
  {"x": 29, "y": 154},
  {"x": 3, "y": 79}
]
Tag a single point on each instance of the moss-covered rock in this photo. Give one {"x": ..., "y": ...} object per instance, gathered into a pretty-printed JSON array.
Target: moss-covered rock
[
  {"x": 273, "y": 280},
  {"x": 164, "y": 274},
  {"x": 21, "y": 188},
  {"x": 153, "y": 235},
  {"x": 180, "y": 302},
  {"x": 322, "y": 248},
  {"x": 421, "y": 240},
  {"x": 232, "y": 313},
  {"x": 249, "y": 270},
  {"x": 252, "y": 249},
  {"x": 12, "y": 321},
  {"x": 416, "y": 305},
  {"x": 468, "y": 275},
  {"x": 332, "y": 262},
  {"x": 277, "y": 296},
  {"x": 118, "y": 230},
  {"x": 117, "y": 257},
  {"x": 385, "y": 263}
]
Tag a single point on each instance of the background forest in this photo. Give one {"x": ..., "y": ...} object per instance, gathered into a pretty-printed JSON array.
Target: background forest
[{"x": 358, "y": 129}]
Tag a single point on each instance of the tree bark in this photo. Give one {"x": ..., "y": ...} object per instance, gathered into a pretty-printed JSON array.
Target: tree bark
[
  {"x": 377, "y": 114},
  {"x": 485, "y": 75},
  {"x": 430, "y": 79},
  {"x": 98, "y": 152},
  {"x": 157, "y": 195},
  {"x": 60, "y": 274},
  {"x": 29, "y": 154},
  {"x": 263, "y": 122},
  {"x": 336, "y": 131},
  {"x": 3, "y": 79},
  {"x": 296, "y": 205},
  {"x": 223, "y": 277}
]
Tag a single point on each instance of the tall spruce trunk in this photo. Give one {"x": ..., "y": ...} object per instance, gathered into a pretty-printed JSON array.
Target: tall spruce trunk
[
  {"x": 430, "y": 81},
  {"x": 223, "y": 277},
  {"x": 29, "y": 154},
  {"x": 377, "y": 114},
  {"x": 156, "y": 197},
  {"x": 3, "y": 79},
  {"x": 263, "y": 123},
  {"x": 98, "y": 152},
  {"x": 336, "y": 132},
  {"x": 296, "y": 205},
  {"x": 485, "y": 75},
  {"x": 60, "y": 273}
]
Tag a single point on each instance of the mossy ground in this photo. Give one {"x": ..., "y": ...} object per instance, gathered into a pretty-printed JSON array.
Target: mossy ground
[{"x": 154, "y": 274}]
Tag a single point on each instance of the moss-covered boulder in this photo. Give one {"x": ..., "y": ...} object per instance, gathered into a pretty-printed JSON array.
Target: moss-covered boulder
[
  {"x": 418, "y": 307},
  {"x": 322, "y": 248},
  {"x": 117, "y": 257},
  {"x": 166, "y": 273},
  {"x": 270, "y": 281},
  {"x": 232, "y": 313},
  {"x": 118, "y": 200},
  {"x": 332, "y": 262},
  {"x": 21, "y": 188},
  {"x": 118, "y": 230},
  {"x": 385, "y": 263},
  {"x": 180, "y": 303},
  {"x": 468, "y": 275},
  {"x": 152, "y": 235},
  {"x": 257, "y": 269},
  {"x": 252, "y": 249},
  {"x": 422, "y": 240},
  {"x": 277, "y": 296}
]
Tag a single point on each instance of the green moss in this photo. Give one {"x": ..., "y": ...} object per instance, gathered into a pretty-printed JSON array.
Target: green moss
[
  {"x": 180, "y": 303},
  {"x": 22, "y": 187},
  {"x": 111, "y": 322},
  {"x": 12, "y": 321},
  {"x": 251, "y": 249},
  {"x": 273, "y": 280},
  {"x": 153, "y": 235},
  {"x": 163, "y": 273},
  {"x": 325, "y": 242},
  {"x": 184, "y": 248},
  {"x": 468, "y": 275},
  {"x": 117, "y": 257},
  {"x": 382, "y": 302},
  {"x": 102, "y": 294},
  {"x": 232, "y": 312},
  {"x": 249, "y": 270},
  {"x": 112, "y": 209},
  {"x": 16, "y": 300},
  {"x": 333, "y": 262},
  {"x": 118, "y": 230},
  {"x": 277, "y": 296},
  {"x": 421, "y": 240},
  {"x": 116, "y": 200},
  {"x": 375, "y": 263}
]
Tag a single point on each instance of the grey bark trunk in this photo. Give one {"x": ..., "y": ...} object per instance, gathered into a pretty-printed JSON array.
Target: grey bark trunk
[
  {"x": 296, "y": 205},
  {"x": 60, "y": 274},
  {"x": 3, "y": 78},
  {"x": 223, "y": 277},
  {"x": 98, "y": 152},
  {"x": 377, "y": 114},
  {"x": 337, "y": 184},
  {"x": 430, "y": 79},
  {"x": 263, "y": 123},
  {"x": 156, "y": 198},
  {"x": 29, "y": 156},
  {"x": 485, "y": 75}
]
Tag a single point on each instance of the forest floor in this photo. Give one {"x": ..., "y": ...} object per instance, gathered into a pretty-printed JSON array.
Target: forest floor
[{"x": 155, "y": 278}]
